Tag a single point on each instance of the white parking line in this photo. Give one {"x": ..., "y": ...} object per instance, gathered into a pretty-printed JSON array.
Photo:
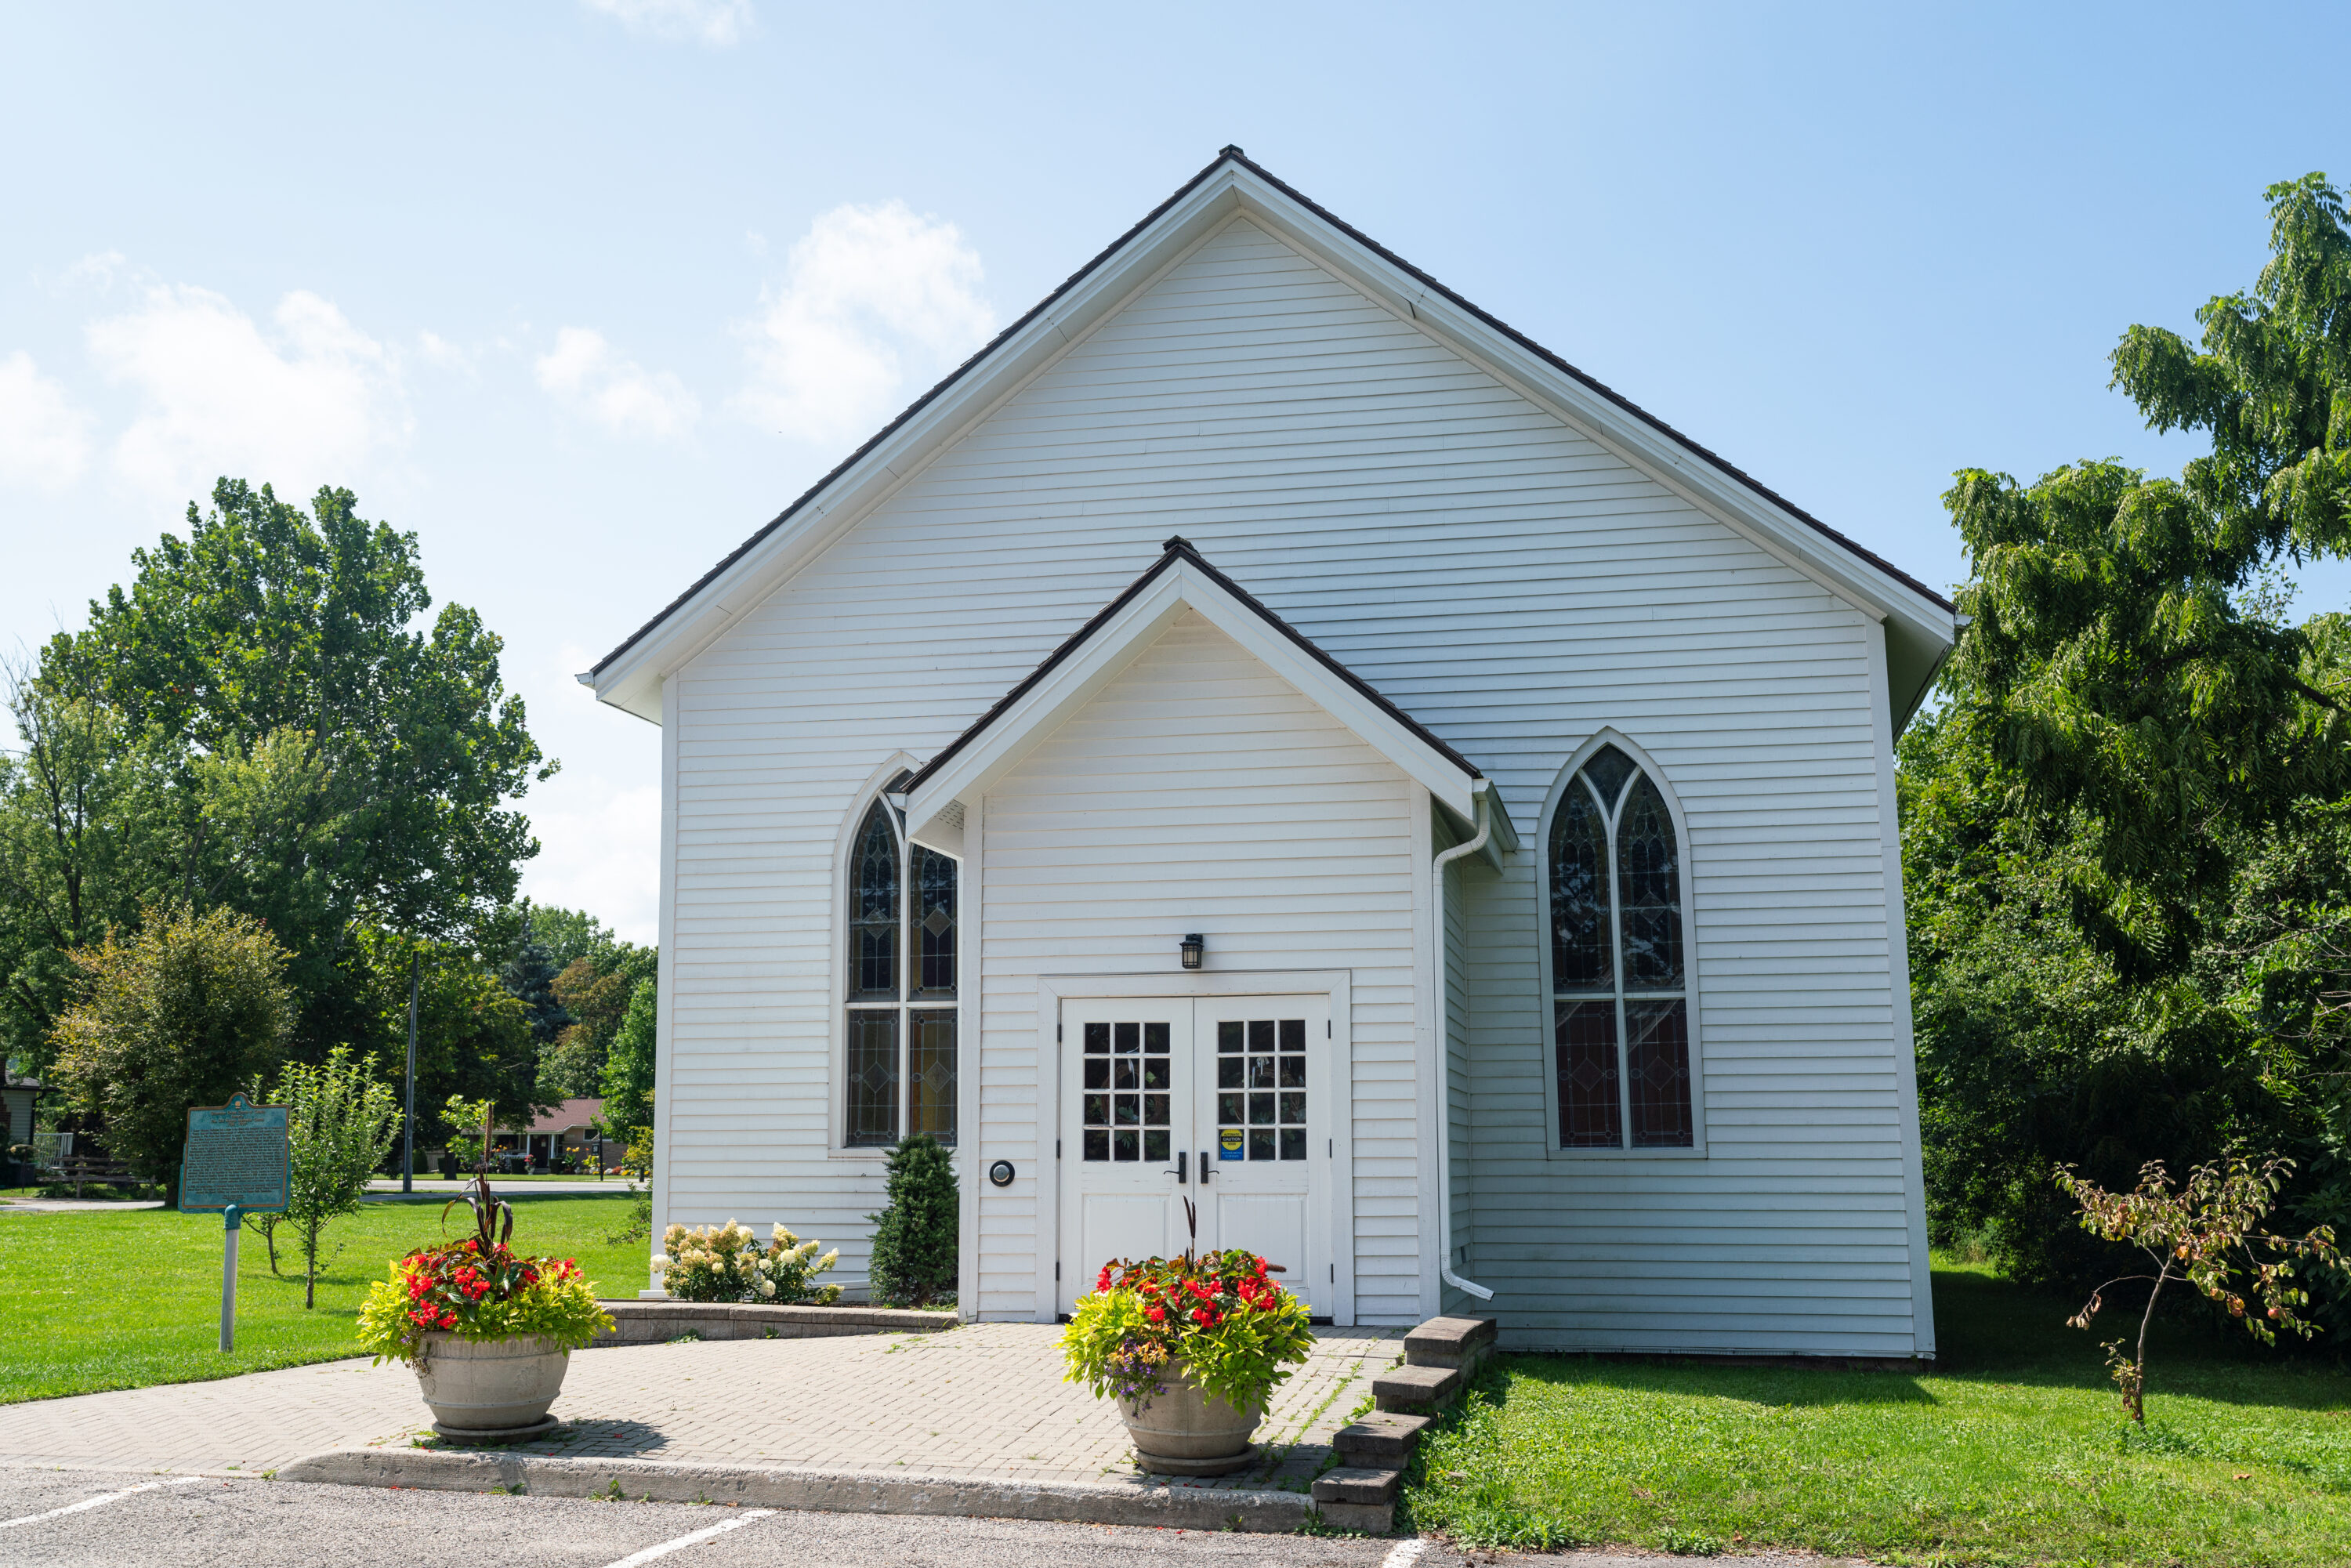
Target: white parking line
[
  {"x": 1403, "y": 1554},
  {"x": 683, "y": 1542},
  {"x": 99, "y": 1501}
]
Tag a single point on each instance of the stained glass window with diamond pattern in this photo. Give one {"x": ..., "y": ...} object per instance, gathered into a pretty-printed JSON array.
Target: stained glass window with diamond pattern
[
  {"x": 1620, "y": 1027},
  {"x": 900, "y": 1060}
]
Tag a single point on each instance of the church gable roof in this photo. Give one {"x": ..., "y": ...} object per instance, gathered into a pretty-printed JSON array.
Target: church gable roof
[
  {"x": 1093, "y": 656},
  {"x": 629, "y": 676}
]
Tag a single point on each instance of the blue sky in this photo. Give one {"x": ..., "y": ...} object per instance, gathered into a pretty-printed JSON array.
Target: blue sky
[{"x": 583, "y": 291}]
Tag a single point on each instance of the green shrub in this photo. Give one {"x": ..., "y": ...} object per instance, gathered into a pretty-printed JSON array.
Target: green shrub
[{"x": 914, "y": 1236}]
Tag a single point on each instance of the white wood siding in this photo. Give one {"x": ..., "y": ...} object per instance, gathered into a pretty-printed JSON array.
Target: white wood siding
[
  {"x": 1200, "y": 792},
  {"x": 1505, "y": 579}
]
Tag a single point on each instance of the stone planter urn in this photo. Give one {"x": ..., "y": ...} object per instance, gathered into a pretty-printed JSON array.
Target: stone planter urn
[
  {"x": 480, "y": 1389},
  {"x": 1187, "y": 1432}
]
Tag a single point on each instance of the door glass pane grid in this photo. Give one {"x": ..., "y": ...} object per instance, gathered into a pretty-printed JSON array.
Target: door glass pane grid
[
  {"x": 1261, "y": 1089},
  {"x": 1127, "y": 1108}
]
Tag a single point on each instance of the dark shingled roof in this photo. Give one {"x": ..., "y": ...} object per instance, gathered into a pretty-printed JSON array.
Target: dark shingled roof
[
  {"x": 1234, "y": 155},
  {"x": 1179, "y": 548}
]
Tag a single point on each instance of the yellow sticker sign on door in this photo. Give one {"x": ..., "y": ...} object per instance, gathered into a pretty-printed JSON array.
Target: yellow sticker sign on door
[{"x": 1228, "y": 1143}]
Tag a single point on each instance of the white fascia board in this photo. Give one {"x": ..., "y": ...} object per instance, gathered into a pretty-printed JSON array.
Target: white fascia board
[
  {"x": 1114, "y": 646},
  {"x": 633, "y": 680},
  {"x": 1665, "y": 460}
]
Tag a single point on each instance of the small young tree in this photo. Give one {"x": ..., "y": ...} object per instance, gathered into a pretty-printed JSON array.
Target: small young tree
[
  {"x": 179, "y": 1014},
  {"x": 2204, "y": 1233},
  {"x": 340, "y": 1120},
  {"x": 466, "y": 1120},
  {"x": 914, "y": 1236}
]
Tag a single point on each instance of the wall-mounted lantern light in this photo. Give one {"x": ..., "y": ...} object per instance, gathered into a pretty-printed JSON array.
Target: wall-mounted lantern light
[{"x": 1195, "y": 945}]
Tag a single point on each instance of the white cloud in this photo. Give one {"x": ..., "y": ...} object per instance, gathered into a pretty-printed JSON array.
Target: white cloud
[
  {"x": 876, "y": 301},
  {"x": 44, "y": 439},
  {"x": 599, "y": 850},
  {"x": 584, "y": 375},
  {"x": 720, "y": 24},
  {"x": 299, "y": 408},
  {"x": 440, "y": 352}
]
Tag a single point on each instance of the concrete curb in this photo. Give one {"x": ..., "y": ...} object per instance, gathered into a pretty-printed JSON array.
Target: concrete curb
[{"x": 1140, "y": 1502}]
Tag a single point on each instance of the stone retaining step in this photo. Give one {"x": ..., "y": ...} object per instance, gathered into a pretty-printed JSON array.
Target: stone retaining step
[
  {"x": 1411, "y": 1388},
  {"x": 1379, "y": 1438},
  {"x": 1450, "y": 1341},
  {"x": 1357, "y": 1483},
  {"x": 656, "y": 1323},
  {"x": 1371, "y": 1518}
]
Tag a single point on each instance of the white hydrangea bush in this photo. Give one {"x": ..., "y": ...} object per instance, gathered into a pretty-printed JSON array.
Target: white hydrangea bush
[{"x": 727, "y": 1263}]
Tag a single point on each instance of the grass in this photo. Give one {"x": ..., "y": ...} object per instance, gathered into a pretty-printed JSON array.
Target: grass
[
  {"x": 96, "y": 1300},
  {"x": 2013, "y": 1450}
]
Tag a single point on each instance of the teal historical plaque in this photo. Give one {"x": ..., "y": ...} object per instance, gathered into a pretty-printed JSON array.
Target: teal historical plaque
[{"x": 237, "y": 1157}]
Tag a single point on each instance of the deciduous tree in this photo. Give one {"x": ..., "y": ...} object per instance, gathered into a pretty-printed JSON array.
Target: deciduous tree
[{"x": 181, "y": 1012}]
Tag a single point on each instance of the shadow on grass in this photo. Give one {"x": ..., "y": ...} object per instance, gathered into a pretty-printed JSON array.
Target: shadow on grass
[
  {"x": 1992, "y": 1331},
  {"x": 1994, "y": 1334}
]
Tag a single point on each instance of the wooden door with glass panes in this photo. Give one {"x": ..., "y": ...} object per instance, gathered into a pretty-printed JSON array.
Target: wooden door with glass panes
[
  {"x": 1262, "y": 1105},
  {"x": 1126, "y": 1116}
]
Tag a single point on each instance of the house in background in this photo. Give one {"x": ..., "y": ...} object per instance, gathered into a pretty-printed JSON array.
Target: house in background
[
  {"x": 18, "y": 1095},
  {"x": 1265, "y": 732},
  {"x": 571, "y": 1126}
]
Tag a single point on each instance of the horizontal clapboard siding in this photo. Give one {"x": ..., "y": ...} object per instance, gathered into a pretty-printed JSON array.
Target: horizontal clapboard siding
[
  {"x": 1200, "y": 792},
  {"x": 1503, "y": 579}
]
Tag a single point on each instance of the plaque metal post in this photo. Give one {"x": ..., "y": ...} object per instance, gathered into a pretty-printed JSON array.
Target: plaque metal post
[{"x": 234, "y": 1217}]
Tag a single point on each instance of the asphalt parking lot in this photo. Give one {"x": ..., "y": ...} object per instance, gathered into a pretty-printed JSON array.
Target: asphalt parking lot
[{"x": 180, "y": 1521}]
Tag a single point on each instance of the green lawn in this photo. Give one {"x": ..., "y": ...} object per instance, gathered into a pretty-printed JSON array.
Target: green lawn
[
  {"x": 91, "y": 1300},
  {"x": 2014, "y": 1450}
]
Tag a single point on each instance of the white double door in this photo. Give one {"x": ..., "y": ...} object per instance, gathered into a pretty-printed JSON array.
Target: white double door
[{"x": 1223, "y": 1101}]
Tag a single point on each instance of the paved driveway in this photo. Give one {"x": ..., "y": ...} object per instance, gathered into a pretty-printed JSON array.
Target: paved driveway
[{"x": 983, "y": 1400}]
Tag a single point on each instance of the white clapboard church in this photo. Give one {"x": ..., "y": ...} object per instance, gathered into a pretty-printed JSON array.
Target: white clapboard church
[{"x": 1263, "y": 731}]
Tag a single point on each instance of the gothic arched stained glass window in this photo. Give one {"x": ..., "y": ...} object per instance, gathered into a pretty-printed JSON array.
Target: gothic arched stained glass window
[
  {"x": 1620, "y": 1000},
  {"x": 900, "y": 1061}
]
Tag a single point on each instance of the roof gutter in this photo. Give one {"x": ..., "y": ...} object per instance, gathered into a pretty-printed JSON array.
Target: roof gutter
[{"x": 1439, "y": 1076}]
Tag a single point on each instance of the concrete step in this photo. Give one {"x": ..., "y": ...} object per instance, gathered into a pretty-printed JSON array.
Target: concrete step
[
  {"x": 1357, "y": 1483},
  {"x": 1412, "y": 1388},
  {"x": 1371, "y": 1518},
  {"x": 1450, "y": 1341},
  {"x": 1379, "y": 1438}
]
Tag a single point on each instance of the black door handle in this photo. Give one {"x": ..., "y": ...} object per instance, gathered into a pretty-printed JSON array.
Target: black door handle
[
  {"x": 1181, "y": 1179},
  {"x": 1205, "y": 1171}
]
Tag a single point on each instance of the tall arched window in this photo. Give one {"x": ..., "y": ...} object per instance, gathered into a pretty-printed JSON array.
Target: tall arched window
[
  {"x": 901, "y": 1025},
  {"x": 1620, "y": 986}
]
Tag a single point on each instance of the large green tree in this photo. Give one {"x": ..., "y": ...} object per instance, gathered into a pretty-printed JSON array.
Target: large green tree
[
  {"x": 184, "y": 1011},
  {"x": 377, "y": 759},
  {"x": 2127, "y": 926}
]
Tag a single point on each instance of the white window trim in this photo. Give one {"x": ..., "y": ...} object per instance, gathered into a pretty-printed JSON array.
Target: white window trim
[
  {"x": 1685, "y": 856},
  {"x": 837, "y": 1144}
]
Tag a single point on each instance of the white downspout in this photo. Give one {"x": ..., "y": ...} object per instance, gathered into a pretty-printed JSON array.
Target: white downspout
[{"x": 1443, "y": 1076}]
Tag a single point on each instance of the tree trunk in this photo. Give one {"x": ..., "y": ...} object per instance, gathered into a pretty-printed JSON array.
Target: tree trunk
[
  {"x": 309, "y": 1264},
  {"x": 2139, "y": 1366}
]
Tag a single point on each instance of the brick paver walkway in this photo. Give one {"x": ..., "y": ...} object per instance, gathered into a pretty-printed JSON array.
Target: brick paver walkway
[{"x": 983, "y": 1400}]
